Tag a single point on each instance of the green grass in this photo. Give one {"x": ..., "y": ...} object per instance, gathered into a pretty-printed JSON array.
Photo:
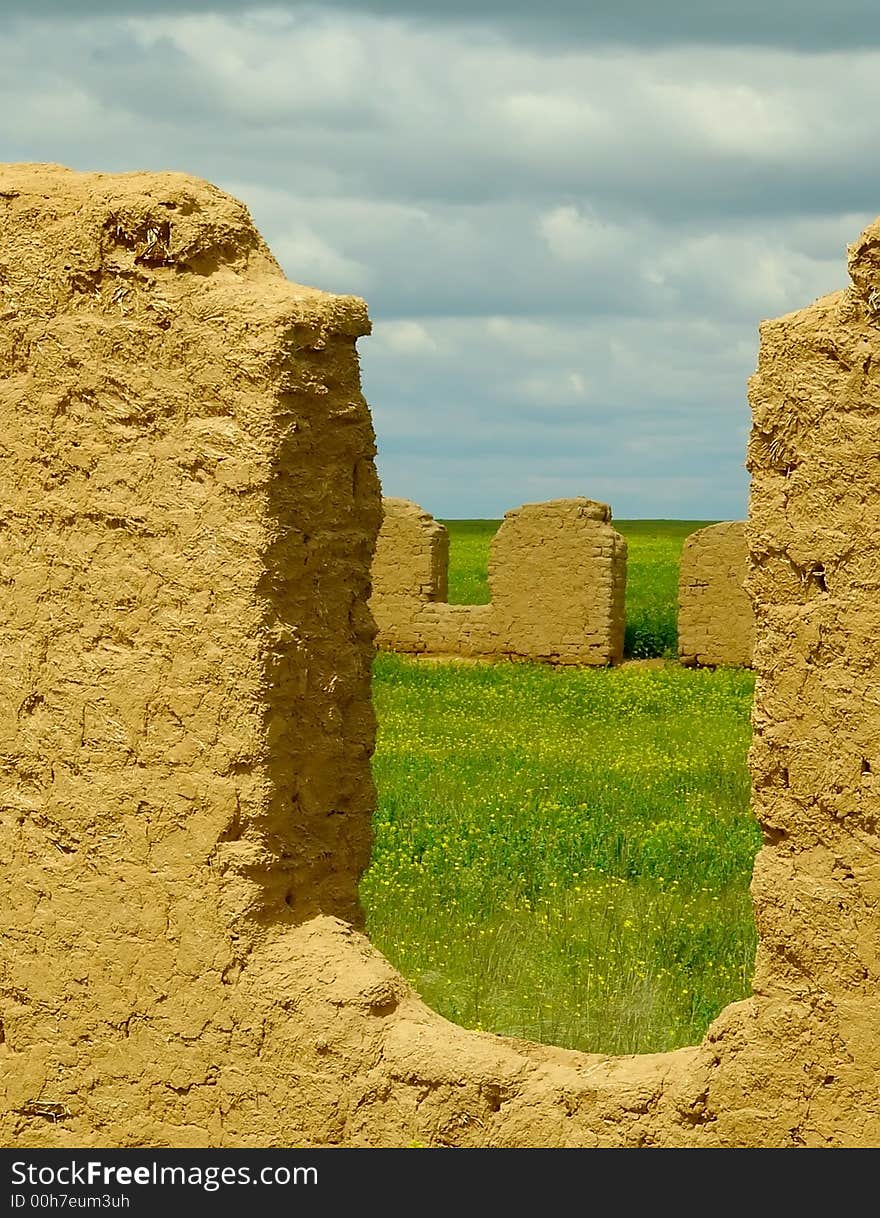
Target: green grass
[
  {"x": 651, "y": 586},
  {"x": 468, "y": 560},
  {"x": 564, "y": 855}
]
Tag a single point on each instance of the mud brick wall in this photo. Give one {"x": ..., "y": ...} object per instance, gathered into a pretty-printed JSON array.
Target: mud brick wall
[
  {"x": 557, "y": 574},
  {"x": 814, "y": 545},
  {"x": 185, "y": 723},
  {"x": 716, "y": 623},
  {"x": 188, "y": 507},
  {"x": 557, "y": 577},
  {"x": 409, "y": 572}
]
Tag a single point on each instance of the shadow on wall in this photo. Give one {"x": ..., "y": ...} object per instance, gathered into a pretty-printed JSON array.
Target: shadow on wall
[{"x": 557, "y": 577}]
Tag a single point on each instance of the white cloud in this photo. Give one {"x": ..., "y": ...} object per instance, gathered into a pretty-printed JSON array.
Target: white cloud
[
  {"x": 546, "y": 390},
  {"x": 262, "y": 65},
  {"x": 574, "y": 236},
  {"x": 536, "y": 117},
  {"x": 404, "y": 337},
  {"x": 741, "y": 271},
  {"x": 306, "y": 258},
  {"x": 733, "y": 118}
]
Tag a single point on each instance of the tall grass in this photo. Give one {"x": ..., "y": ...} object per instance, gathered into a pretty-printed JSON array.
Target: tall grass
[
  {"x": 564, "y": 855},
  {"x": 652, "y": 576}
]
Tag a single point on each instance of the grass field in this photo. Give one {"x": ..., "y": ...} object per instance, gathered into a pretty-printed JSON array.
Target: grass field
[
  {"x": 652, "y": 576},
  {"x": 564, "y": 855}
]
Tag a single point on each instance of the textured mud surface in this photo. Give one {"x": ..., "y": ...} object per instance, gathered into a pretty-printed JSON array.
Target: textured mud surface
[
  {"x": 557, "y": 577},
  {"x": 716, "y": 624},
  {"x": 188, "y": 513}
]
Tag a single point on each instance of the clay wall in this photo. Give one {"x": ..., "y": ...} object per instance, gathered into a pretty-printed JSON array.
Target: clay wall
[
  {"x": 185, "y": 723},
  {"x": 188, "y": 507},
  {"x": 557, "y": 576},
  {"x": 409, "y": 572},
  {"x": 716, "y": 624}
]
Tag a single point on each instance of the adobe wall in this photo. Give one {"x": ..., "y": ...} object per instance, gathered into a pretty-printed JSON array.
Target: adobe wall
[
  {"x": 716, "y": 623},
  {"x": 188, "y": 507},
  {"x": 557, "y": 577},
  {"x": 410, "y": 571},
  {"x": 185, "y": 723}
]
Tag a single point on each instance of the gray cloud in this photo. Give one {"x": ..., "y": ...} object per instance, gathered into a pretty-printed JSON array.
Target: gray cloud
[
  {"x": 801, "y": 25},
  {"x": 522, "y": 409},
  {"x": 804, "y": 25},
  {"x": 675, "y": 135},
  {"x": 565, "y": 251}
]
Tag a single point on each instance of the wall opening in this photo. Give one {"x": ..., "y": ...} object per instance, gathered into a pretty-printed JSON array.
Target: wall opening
[
  {"x": 565, "y": 855},
  {"x": 469, "y": 542},
  {"x": 561, "y": 856},
  {"x": 654, "y": 551}
]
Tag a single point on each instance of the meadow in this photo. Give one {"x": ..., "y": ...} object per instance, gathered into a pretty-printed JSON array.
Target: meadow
[{"x": 564, "y": 855}]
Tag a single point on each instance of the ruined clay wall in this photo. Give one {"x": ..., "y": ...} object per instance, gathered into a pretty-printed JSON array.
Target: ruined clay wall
[
  {"x": 410, "y": 570},
  {"x": 557, "y": 574},
  {"x": 716, "y": 623},
  {"x": 814, "y": 543},
  {"x": 188, "y": 507},
  {"x": 156, "y": 988},
  {"x": 557, "y": 577}
]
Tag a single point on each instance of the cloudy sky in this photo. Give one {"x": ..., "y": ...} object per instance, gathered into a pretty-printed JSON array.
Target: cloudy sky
[{"x": 567, "y": 217}]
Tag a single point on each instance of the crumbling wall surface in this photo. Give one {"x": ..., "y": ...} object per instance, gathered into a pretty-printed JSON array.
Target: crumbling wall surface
[
  {"x": 410, "y": 571},
  {"x": 557, "y": 574},
  {"x": 185, "y": 723},
  {"x": 188, "y": 507},
  {"x": 716, "y": 623},
  {"x": 814, "y": 544},
  {"x": 557, "y": 577}
]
